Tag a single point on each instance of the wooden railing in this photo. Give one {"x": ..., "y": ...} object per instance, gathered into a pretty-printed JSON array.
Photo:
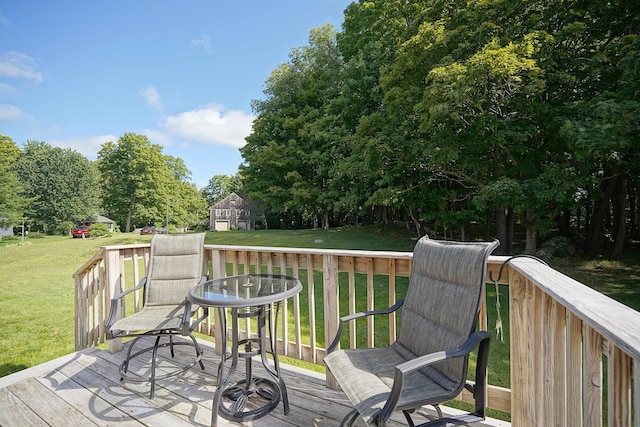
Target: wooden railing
[{"x": 565, "y": 338}]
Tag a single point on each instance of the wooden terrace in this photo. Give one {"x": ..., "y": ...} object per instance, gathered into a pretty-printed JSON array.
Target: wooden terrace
[
  {"x": 574, "y": 353},
  {"x": 83, "y": 389}
]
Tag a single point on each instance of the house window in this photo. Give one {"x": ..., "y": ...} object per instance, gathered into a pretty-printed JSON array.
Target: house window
[{"x": 217, "y": 212}]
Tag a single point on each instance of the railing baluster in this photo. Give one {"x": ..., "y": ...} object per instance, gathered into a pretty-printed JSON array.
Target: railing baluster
[
  {"x": 296, "y": 309},
  {"x": 573, "y": 368},
  {"x": 352, "y": 302},
  {"x": 370, "y": 304},
  {"x": 392, "y": 299},
  {"x": 311, "y": 289},
  {"x": 592, "y": 365},
  {"x": 619, "y": 387},
  {"x": 636, "y": 392}
]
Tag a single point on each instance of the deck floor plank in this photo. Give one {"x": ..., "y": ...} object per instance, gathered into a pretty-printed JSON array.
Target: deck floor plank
[
  {"x": 14, "y": 411},
  {"x": 48, "y": 405},
  {"x": 84, "y": 388}
]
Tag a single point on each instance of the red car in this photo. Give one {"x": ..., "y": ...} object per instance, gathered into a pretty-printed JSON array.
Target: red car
[
  {"x": 148, "y": 230},
  {"x": 80, "y": 231}
]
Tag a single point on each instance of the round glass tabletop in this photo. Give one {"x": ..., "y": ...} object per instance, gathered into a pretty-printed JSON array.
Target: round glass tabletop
[{"x": 245, "y": 290}]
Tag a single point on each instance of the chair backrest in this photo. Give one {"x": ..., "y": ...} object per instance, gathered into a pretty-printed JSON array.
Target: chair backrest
[
  {"x": 176, "y": 264},
  {"x": 442, "y": 303}
]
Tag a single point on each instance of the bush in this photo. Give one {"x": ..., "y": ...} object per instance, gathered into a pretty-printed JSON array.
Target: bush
[
  {"x": 64, "y": 228},
  {"x": 98, "y": 230}
]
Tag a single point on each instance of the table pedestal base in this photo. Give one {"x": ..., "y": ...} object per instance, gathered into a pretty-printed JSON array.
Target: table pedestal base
[{"x": 249, "y": 403}]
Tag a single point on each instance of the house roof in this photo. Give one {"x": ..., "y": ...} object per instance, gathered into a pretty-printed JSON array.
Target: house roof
[
  {"x": 233, "y": 197},
  {"x": 105, "y": 219},
  {"x": 99, "y": 218}
]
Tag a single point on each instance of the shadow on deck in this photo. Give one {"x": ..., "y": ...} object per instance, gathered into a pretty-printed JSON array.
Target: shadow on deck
[{"x": 84, "y": 388}]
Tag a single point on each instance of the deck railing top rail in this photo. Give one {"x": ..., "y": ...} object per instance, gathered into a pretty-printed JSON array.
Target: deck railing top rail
[{"x": 615, "y": 321}]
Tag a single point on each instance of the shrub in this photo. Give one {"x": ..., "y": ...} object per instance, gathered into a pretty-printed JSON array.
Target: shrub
[
  {"x": 64, "y": 228},
  {"x": 98, "y": 230}
]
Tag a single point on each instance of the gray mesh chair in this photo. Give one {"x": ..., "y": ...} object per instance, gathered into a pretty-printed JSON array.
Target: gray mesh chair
[
  {"x": 427, "y": 364},
  {"x": 176, "y": 264}
]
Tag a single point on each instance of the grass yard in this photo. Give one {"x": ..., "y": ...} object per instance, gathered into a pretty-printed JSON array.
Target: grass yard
[
  {"x": 36, "y": 285},
  {"x": 36, "y": 296}
]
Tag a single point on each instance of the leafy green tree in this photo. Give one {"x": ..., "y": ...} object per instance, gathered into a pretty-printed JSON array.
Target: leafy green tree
[
  {"x": 143, "y": 186},
  {"x": 12, "y": 201},
  {"x": 289, "y": 153},
  {"x": 61, "y": 183},
  {"x": 449, "y": 113},
  {"x": 220, "y": 186},
  {"x": 369, "y": 43}
]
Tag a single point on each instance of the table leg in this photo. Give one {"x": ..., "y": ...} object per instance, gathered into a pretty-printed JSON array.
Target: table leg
[
  {"x": 273, "y": 341},
  {"x": 223, "y": 383},
  {"x": 271, "y": 390}
]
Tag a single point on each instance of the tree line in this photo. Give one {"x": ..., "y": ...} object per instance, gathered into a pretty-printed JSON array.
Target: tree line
[
  {"x": 467, "y": 119},
  {"x": 461, "y": 119},
  {"x": 132, "y": 182}
]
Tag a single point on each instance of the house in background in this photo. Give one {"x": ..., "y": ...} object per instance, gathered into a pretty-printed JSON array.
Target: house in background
[
  {"x": 6, "y": 231},
  {"x": 100, "y": 219},
  {"x": 230, "y": 213}
]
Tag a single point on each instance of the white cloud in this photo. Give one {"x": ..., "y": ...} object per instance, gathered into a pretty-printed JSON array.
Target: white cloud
[
  {"x": 203, "y": 42},
  {"x": 6, "y": 89},
  {"x": 152, "y": 97},
  {"x": 87, "y": 146},
  {"x": 10, "y": 113},
  {"x": 212, "y": 125},
  {"x": 19, "y": 65},
  {"x": 158, "y": 137}
]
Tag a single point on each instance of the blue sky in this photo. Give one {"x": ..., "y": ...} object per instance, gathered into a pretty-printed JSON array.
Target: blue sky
[{"x": 79, "y": 73}]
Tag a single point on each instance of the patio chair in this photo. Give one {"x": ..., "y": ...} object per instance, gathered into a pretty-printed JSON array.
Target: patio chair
[
  {"x": 427, "y": 364},
  {"x": 176, "y": 264}
]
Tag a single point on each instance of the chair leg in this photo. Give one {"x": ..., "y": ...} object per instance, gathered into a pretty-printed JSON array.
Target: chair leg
[
  {"x": 350, "y": 419},
  {"x": 199, "y": 351},
  {"x": 154, "y": 355},
  {"x": 125, "y": 364},
  {"x": 124, "y": 367}
]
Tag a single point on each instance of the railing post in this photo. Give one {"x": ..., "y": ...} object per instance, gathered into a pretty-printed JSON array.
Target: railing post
[
  {"x": 113, "y": 279},
  {"x": 331, "y": 306},
  {"x": 522, "y": 390},
  {"x": 80, "y": 313}
]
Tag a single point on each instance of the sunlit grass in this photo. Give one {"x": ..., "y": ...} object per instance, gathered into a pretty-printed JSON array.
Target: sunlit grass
[
  {"x": 36, "y": 296},
  {"x": 37, "y": 289}
]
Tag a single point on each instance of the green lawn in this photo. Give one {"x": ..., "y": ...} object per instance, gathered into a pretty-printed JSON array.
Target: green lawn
[{"x": 36, "y": 285}]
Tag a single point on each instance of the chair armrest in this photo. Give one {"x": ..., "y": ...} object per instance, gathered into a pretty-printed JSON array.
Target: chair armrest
[
  {"x": 476, "y": 339},
  {"x": 113, "y": 311},
  {"x": 345, "y": 319}
]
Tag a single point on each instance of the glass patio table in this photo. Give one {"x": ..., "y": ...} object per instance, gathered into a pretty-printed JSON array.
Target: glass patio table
[{"x": 247, "y": 296}]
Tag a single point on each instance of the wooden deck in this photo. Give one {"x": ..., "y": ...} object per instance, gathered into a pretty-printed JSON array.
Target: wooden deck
[{"x": 84, "y": 388}]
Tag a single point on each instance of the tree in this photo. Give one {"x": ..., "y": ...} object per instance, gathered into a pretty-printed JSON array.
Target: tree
[
  {"x": 220, "y": 186},
  {"x": 291, "y": 153},
  {"x": 12, "y": 201},
  {"x": 443, "y": 114},
  {"x": 143, "y": 186},
  {"x": 61, "y": 183}
]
